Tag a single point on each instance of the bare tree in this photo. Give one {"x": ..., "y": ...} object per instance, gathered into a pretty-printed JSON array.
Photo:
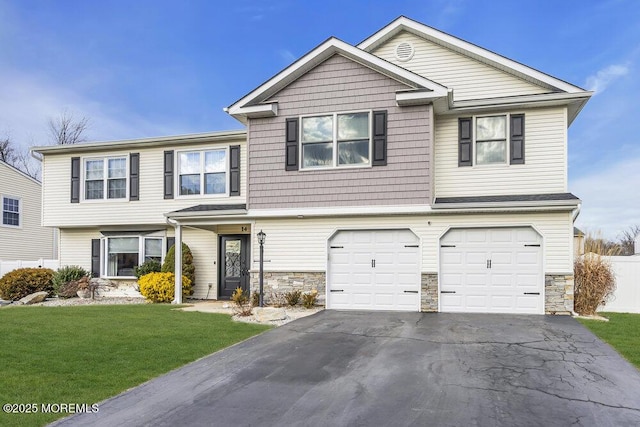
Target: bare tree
[
  {"x": 627, "y": 239},
  {"x": 66, "y": 129},
  {"x": 18, "y": 157},
  {"x": 7, "y": 152}
]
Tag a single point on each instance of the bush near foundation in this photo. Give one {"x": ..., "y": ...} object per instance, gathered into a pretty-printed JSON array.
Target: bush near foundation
[
  {"x": 594, "y": 283},
  {"x": 66, "y": 274},
  {"x": 188, "y": 268},
  {"x": 19, "y": 283},
  {"x": 160, "y": 287}
]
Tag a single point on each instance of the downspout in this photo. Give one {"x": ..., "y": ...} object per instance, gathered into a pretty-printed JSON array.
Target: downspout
[
  {"x": 576, "y": 213},
  {"x": 178, "y": 261}
]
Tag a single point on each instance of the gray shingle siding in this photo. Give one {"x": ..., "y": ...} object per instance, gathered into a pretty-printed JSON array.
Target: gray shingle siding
[{"x": 340, "y": 84}]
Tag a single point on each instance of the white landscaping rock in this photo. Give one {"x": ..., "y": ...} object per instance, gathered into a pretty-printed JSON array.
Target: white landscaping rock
[
  {"x": 34, "y": 298},
  {"x": 269, "y": 314}
]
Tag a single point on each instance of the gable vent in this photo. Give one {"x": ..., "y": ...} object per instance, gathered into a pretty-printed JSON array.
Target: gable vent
[{"x": 404, "y": 51}]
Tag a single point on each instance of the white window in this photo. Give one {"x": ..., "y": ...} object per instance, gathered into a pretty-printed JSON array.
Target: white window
[
  {"x": 11, "y": 211},
  {"x": 123, "y": 254},
  {"x": 105, "y": 178},
  {"x": 336, "y": 140},
  {"x": 491, "y": 140},
  {"x": 202, "y": 172}
]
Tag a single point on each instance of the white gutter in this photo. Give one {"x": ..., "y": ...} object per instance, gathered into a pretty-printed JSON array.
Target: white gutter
[{"x": 177, "y": 298}]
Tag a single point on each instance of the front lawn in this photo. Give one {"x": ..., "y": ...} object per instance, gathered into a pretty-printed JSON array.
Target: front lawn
[
  {"x": 622, "y": 332},
  {"x": 86, "y": 354}
]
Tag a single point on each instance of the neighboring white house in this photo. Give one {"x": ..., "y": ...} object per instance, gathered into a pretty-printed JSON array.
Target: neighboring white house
[
  {"x": 22, "y": 236},
  {"x": 414, "y": 171}
]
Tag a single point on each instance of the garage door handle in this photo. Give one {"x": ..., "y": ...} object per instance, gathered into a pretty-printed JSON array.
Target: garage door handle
[
  {"x": 411, "y": 246},
  {"x": 410, "y": 292},
  {"x": 531, "y": 246},
  {"x": 447, "y": 246},
  {"x": 447, "y": 292},
  {"x": 532, "y": 293},
  {"x": 337, "y": 247},
  {"x": 336, "y": 290}
]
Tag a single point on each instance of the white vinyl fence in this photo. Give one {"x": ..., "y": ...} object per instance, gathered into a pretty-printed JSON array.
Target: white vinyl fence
[
  {"x": 626, "y": 298},
  {"x": 7, "y": 266}
]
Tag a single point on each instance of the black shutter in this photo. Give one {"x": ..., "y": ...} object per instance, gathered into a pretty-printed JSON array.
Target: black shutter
[
  {"x": 95, "y": 257},
  {"x": 134, "y": 176},
  {"x": 379, "y": 157},
  {"x": 170, "y": 242},
  {"x": 75, "y": 180},
  {"x": 465, "y": 141},
  {"x": 234, "y": 170},
  {"x": 517, "y": 139},
  {"x": 291, "y": 154},
  {"x": 168, "y": 174}
]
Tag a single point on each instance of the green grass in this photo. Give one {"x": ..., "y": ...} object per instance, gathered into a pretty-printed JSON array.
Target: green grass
[
  {"x": 622, "y": 332},
  {"x": 86, "y": 354}
]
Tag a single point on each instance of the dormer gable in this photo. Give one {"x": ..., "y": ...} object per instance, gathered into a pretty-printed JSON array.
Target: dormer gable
[{"x": 258, "y": 103}]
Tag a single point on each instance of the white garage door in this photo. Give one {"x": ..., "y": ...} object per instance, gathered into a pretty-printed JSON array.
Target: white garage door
[
  {"x": 374, "y": 270},
  {"x": 491, "y": 270}
]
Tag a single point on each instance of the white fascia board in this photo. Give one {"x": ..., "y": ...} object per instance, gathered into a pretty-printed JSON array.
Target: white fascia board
[
  {"x": 343, "y": 211},
  {"x": 324, "y": 51},
  {"x": 464, "y": 47},
  {"x": 19, "y": 172},
  {"x": 544, "y": 204},
  {"x": 143, "y": 142},
  {"x": 417, "y": 97},
  {"x": 260, "y": 110},
  {"x": 197, "y": 214},
  {"x": 527, "y": 101}
]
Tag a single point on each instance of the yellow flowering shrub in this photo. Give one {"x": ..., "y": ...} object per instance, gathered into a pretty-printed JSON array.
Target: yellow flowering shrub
[{"x": 160, "y": 287}]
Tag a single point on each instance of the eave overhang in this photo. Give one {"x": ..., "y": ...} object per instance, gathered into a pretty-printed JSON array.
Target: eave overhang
[
  {"x": 128, "y": 144},
  {"x": 574, "y": 102},
  {"x": 555, "y": 201}
]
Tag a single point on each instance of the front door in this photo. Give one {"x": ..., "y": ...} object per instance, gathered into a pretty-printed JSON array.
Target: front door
[{"x": 234, "y": 264}]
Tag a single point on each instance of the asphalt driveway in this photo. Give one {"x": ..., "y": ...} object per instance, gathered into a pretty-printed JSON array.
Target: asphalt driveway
[{"x": 394, "y": 369}]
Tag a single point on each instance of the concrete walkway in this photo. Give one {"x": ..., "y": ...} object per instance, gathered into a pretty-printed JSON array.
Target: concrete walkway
[{"x": 382, "y": 369}]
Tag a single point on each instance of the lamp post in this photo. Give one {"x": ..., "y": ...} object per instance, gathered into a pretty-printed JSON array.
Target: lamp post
[{"x": 261, "y": 238}]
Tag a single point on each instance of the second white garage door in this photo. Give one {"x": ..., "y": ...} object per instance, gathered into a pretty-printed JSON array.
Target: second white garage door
[
  {"x": 374, "y": 270},
  {"x": 491, "y": 270}
]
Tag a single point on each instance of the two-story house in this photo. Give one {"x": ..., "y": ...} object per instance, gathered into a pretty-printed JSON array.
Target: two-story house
[
  {"x": 415, "y": 171},
  {"x": 22, "y": 236}
]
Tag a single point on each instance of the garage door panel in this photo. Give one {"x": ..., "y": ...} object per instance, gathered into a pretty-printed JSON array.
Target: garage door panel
[
  {"x": 502, "y": 258},
  {"x": 504, "y": 280},
  {"x": 491, "y": 269},
  {"x": 475, "y": 259},
  {"x": 475, "y": 280},
  {"x": 528, "y": 258},
  {"x": 476, "y": 236}
]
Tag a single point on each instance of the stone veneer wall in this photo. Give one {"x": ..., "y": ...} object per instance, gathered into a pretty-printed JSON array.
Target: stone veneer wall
[
  {"x": 558, "y": 290},
  {"x": 279, "y": 283},
  {"x": 429, "y": 292}
]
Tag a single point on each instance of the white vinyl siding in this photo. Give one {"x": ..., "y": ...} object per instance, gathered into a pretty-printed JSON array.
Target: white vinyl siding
[
  {"x": 150, "y": 209},
  {"x": 29, "y": 241},
  {"x": 75, "y": 249},
  {"x": 301, "y": 244},
  {"x": 469, "y": 78},
  {"x": 544, "y": 169}
]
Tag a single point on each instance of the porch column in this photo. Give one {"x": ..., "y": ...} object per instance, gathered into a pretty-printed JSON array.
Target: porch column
[{"x": 178, "y": 265}]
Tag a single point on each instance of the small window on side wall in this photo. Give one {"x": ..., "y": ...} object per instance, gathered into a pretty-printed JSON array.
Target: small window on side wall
[
  {"x": 491, "y": 140},
  {"x": 10, "y": 211}
]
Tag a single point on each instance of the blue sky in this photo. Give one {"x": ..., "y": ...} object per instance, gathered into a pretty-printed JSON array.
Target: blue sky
[{"x": 154, "y": 67}]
